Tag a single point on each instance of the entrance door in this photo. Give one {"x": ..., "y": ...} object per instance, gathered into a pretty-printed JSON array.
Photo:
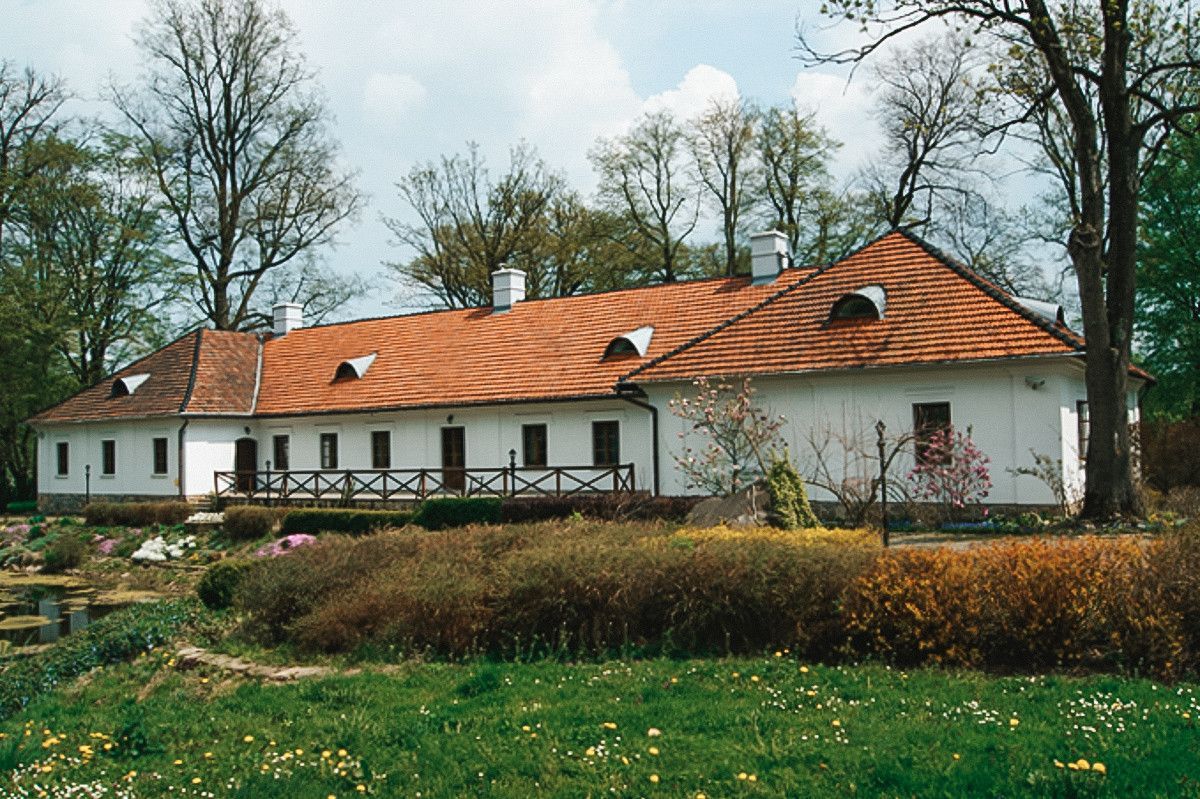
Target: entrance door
[
  {"x": 245, "y": 463},
  {"x": 454, "y": 458}
]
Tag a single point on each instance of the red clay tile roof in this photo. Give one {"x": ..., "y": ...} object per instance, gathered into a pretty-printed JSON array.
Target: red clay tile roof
[
  {"x": 205, "y": 371},
  {"x": 937, "y": 311},
  {"x": 541, "y": 349}
]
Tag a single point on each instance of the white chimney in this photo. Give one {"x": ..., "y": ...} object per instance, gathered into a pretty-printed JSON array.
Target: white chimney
[
  {"x": 768, "y": 256},
  {"x": 508, "y": 288},
  {"x": 288, "y": 316}
]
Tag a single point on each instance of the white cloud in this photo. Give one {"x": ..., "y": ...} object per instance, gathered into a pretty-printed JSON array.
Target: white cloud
[
  {"x": 844, "y": 110},
  {"x": 389, "y": 95},
  {"x": 700, "y": 86}
]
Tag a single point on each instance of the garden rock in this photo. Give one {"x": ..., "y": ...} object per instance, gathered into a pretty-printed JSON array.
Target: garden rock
[{"x": 750, "y": 507}]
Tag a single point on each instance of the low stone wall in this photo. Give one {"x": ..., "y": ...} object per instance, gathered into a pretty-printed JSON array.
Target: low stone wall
[{"x": 58, "y": 504}]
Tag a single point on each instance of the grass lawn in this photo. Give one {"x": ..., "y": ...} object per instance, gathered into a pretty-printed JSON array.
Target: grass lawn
[{"x": 763, "y": 727}]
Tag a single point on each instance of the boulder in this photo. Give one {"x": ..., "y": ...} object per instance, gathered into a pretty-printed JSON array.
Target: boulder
[{"x": 750, "y": 507}]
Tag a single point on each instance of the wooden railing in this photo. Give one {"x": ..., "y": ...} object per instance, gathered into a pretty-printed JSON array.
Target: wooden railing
[{"x": 380, "y": 485}]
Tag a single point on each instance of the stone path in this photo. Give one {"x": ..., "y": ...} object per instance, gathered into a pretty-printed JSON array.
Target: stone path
[{"x": 190, "y": 657}]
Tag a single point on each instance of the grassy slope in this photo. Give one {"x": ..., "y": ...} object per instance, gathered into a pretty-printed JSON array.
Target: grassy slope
[{"x": 521, "y": 730}]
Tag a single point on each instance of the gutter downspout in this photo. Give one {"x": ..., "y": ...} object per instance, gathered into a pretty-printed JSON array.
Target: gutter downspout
[
  {"x": 182, "y": 429},
  {"x": 625, "y": 392}
]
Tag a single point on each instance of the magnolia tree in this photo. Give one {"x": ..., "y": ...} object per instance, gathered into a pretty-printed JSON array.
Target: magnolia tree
[
  {"x": 738, "y": 437},
  {"x": 951, "y": 471}
]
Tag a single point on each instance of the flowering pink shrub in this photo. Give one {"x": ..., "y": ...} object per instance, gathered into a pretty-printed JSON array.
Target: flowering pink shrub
[
  {"x": 285, "y": 545},
  {"x": 15, "y": 533},
  {"x": 741, "y": 437},
  {"x": 951, "y": 470},
  {"x": 105, "y": 546}
]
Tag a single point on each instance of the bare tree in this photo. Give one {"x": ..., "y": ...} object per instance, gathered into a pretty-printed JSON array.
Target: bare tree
[
  {"x": 469, "y": 224},
  {"x": 645, "y": 176},
  {"x": 28, "y": 105},
  {"x": 237, "y": 136},
  {"x": 844, "y": 461},
  {"x": 928, "y": 106},
  {"x": 722, "y": 141},
  {"x": 993, "y": 242},
  {"x": 793, "y": 153},
  {"x": 1121, "y": 77}
]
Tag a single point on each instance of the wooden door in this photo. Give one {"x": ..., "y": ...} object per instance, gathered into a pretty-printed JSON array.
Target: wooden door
[
  {"x": 454, "y": 458},
  {"x": 245, "y": 463}
]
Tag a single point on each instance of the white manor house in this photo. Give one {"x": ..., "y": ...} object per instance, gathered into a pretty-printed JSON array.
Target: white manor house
[{"x": 571, "y": 394}]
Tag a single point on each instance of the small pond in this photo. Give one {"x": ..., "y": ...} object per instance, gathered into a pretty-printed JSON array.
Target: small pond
[{"x": 41, "y": 608}]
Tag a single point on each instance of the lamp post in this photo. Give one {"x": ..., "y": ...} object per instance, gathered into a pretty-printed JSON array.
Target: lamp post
[
  {"x": 268, "y": 486},
  {"x": 512, "y": 472},
  {"x": 880, "y": 429},
  {"x": 87, "y": 484}
]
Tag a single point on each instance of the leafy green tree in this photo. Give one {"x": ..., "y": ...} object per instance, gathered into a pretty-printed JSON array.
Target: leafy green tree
[
  {"x": 646, "y": 177},
  {"x": 1168, "y": 321},
  {"x": 722, "y": 141}
]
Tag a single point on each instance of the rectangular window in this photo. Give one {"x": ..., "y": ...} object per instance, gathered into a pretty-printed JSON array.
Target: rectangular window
[
  {"x": 108, "y": 457},
  {"x": 1083, "y": 428},
  {"x": 329, "y": 453},
  {"x": 606, "y": 443},
  {"x": 533, "y": 445},
  {"x": 381, "y": 449},
  {"x": 160, "y": 456},
  {"x": 63, "y": 455},
  {"x": 928, "y": 418},
  {"x": 281, "y": 448}
]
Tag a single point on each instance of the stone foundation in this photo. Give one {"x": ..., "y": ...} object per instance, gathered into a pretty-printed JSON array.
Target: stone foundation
[{"x": 59, "y": 504}]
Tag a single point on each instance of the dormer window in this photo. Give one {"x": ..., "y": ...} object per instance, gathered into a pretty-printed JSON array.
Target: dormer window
[
  {"x": 867, "y": 302},
  {"x": 1051, "y": 312},
  {"x": 635, "y": 343},
  {"x": 124, "y": 386},
  {"x": 354, "y": 368}
]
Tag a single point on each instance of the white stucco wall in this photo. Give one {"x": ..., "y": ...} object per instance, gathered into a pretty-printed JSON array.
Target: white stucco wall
[
  {"x": 1012, "y": 409},
  {"x": 1008, "y": 417},
  {"x": 134, "y": 458}
]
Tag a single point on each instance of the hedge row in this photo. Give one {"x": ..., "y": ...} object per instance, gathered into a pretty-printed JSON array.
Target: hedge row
[
  {"x": 587, "y": 588},
  {"x": 136, "y": 514}
]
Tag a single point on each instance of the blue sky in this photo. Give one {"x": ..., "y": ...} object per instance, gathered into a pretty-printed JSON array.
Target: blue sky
[{"x": 409, "y": 81}]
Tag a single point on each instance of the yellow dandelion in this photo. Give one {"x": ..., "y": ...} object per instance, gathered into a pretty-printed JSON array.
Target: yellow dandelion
[
  {"x": 752, "y": 778},
  {"x": 299, "y": 752},
  {"x": 326, "y": 754},
  {"x": 178, "y": 762},
  {"x": 753, "y": 678},
  {"x": 624, "y": 760},
  {"x": 653, "y": 750},
  {"x": 778, "y": 654},
  {"x": 360, "y": 788},
  {"x": 208, "y": 755},
  {"x": 591, "y": 751},
  {"x": 1058, "y": 763},
  {"x": 1099, "y": 768},
  {"x": 533, "y": 735},
  {"x": 610, "y": 725},
  {"x": 525, "y": 728},
  {"x": 195, "y": 780},
  {"x": 836, "y": 723},
  {"x": 804, "y": 669},
  {"x": 736, "y": 675},
  {"x": 248, "y": 739},
  {"x": 342, "y": 753},
  {"x": 1013, "y": 722},
  {"x": 742, "y": 775},
  {"x": 654, "y": 779},
  {"x": 653, "y": 732},
  {"x": 204, "y": 681}
]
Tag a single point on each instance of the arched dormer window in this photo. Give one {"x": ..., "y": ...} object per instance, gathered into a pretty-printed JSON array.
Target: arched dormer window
[
  {"x": 354, "y": 368},
  {"x": 1051, "y": 312},
  {"x": 124, "y": 386},
  {"x": 868, "y": 302},
  {"x": 634, "y": 343}
]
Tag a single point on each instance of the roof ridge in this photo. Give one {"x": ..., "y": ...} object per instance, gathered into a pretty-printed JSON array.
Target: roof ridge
[
  {"x": 191, "y": 385},
  {"x": 989, "y": 288},
  {"x": 730, "y": 321},
  {"x": 563, "y": 297}
]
